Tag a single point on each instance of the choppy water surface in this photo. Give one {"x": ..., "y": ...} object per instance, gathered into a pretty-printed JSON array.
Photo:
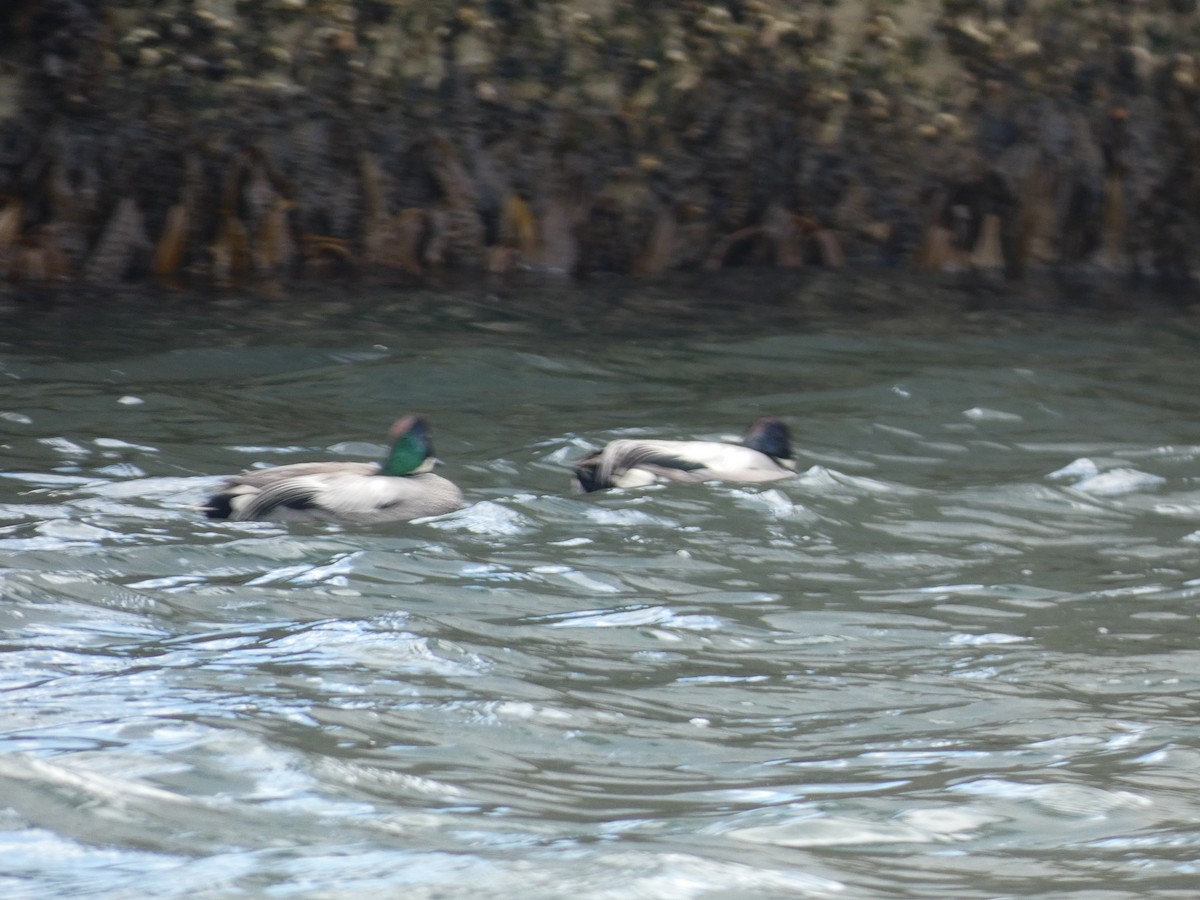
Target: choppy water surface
[{"x": 955, "y": 657}]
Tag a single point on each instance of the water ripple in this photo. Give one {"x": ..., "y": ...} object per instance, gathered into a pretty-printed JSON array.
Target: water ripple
[{"x": 953, "y": 657}]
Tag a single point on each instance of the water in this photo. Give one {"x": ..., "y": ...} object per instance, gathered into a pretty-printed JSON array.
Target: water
[{"x": 955, "y": 657}]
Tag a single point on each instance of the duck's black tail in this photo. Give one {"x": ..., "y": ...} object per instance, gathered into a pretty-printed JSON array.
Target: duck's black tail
[
  {"x": 218, "y": 506},
  {"x": 587, "y": 474}
]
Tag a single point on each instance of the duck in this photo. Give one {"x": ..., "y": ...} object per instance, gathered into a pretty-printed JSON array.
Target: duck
[
  {"x": 399, "y": 488},
  {"x": 764, "y": 454}
]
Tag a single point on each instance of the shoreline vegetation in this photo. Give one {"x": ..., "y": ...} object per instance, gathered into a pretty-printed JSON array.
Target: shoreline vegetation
[{"x": 230, "y": 143}]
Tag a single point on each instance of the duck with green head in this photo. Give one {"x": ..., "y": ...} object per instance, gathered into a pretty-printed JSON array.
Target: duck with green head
[
  {"x": 402, "y": 487},
  {"x": 764, "y": 454}
]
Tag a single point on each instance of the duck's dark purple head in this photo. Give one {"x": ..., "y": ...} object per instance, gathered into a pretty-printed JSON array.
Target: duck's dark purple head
[{"x": 771, "y": 436}]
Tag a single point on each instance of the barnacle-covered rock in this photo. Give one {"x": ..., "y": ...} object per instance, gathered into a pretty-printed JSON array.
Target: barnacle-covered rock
[
  {"x": 228, "y": 141},
  {"x": 122, "y": 241}
]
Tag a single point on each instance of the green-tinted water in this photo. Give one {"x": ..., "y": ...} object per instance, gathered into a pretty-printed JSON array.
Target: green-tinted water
[{"x": 955, "y": 657}]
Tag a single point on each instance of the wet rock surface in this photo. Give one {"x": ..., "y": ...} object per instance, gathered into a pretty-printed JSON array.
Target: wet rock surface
[{"x": 225, "y": 142}]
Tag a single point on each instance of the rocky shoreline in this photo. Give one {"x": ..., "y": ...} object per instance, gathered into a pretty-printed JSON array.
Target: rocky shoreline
[{"x": 247, "y": 142}]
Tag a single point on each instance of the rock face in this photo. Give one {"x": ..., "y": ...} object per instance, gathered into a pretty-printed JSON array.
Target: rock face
[{"x": 235, "y": 141}]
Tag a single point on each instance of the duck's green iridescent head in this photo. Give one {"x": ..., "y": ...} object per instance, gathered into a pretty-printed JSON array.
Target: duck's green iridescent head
[{"x": 412, "y": 449}]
